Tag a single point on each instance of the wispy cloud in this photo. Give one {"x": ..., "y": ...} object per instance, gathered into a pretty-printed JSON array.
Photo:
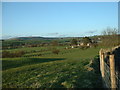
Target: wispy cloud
[
  {"x": 56, "y": 34},
  {"x": 62, "y": 35},
  {"x": 52, "y": 34},
  {"x": 91, "y": 31}
]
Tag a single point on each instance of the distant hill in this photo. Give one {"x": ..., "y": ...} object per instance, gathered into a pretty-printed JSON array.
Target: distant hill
[
  {"x": 31, "y": 38},
  {"x": 40, "y": 38}
]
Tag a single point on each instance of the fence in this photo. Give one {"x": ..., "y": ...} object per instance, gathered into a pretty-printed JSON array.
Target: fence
[{"x": 110, "y": 67}]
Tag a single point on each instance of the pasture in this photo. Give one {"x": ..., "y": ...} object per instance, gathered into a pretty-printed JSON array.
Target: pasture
[{"x": 40, "y": 68}]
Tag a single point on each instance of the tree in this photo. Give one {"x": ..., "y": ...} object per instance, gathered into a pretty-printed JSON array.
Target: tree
[
  {"x": 74, "y": 42},
  {"x": 86, "y": 40},
  {"x": 109, "y": 31}
]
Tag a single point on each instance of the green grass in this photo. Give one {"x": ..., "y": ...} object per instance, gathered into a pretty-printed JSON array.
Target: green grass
[
  {"x": 18, "y": 62},
  {"x": 69, "y": 69},
  {"x": 28, "y": 49},
  {"x": 29, "y": 76}
]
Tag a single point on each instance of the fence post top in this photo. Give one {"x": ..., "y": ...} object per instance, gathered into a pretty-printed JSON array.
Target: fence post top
[
  {"x": 111, "y": 55},
  {"x": 101, "y": 50}
]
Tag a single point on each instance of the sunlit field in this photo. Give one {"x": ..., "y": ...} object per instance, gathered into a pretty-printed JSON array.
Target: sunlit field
[{"x": 71, "y": 68}]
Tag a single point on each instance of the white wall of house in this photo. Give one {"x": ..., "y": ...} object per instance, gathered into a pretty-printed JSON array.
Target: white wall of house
[
  {"x": 72, "y": 46},
  {"x": 81, "y": 44},
  {"x": 88, "y": 44}
]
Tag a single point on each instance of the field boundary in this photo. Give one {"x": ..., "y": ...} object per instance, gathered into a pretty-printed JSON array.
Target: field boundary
[{"x": 110, "y": 67}]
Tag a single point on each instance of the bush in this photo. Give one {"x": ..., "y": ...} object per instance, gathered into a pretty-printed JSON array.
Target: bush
[
  {"x": 8, "y": 54},
  {"x": 84, "y": 47},
  {"x": 95, "y": 45},
  {"x": 54, "y": 43},
  {"x": 74, "y": 42},
  {"x": 39, "y": 54},
  {"x": 56, "y": 51},
  {"x": 19, "y": 53}
]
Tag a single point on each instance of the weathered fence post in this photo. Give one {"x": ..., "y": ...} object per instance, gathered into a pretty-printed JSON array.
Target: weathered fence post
[
  {"x": 112, "y": 72},
  {"x": 102, "y": 65},
  {"x": 101, "y": 53}
]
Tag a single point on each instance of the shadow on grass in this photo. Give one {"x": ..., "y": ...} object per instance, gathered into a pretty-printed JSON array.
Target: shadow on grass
[
  {"x": 86, "y": 78},
  {"x": 7, "y": 64},
  {"x": 96, "y": 79},
  {"x": 91, "y": 78}
]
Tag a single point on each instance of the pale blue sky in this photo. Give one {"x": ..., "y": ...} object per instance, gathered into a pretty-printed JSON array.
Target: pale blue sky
[{"x": 58, "y": 19}]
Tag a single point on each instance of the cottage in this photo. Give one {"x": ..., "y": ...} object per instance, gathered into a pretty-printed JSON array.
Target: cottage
[
  {"x": 81, "y": 44},
  {"x": 88, "y": 44},
  {"x": 78, "y": 45},
  {"x": 72, "y": 46},
  {"x": 66, "y": 47}
]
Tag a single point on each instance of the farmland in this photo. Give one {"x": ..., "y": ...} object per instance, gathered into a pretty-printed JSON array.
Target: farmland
[{"x": 39, "y": 67}]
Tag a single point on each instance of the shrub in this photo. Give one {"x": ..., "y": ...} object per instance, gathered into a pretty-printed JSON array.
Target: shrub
[
  {"x": 54, "y": 43},
  {"x": 95, "y": 45},
  {"x": 19, "y": 53},
  {"x": 86, "y": 40},
  {"x": 33, "y": 51},
  {"x": 56, "y": 51},
  {"x": 84, "y": 47},
  {"x": 74, "y": 42},
  {"x": 39, "y": 54},
  {"x": 8, "y": 54}
]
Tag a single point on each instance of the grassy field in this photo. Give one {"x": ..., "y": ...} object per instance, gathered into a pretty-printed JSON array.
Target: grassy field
[{"x": 70, "y": 68}]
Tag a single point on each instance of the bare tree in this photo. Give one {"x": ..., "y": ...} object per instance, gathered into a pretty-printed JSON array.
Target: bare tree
[{"x": 110, "y": 31}]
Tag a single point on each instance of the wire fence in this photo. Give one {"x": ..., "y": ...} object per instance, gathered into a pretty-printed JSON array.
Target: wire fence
[{"x": 110, "y": 67}]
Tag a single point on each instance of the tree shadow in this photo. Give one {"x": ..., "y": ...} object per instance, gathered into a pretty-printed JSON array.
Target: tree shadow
[{"x": 7, "y": 64}]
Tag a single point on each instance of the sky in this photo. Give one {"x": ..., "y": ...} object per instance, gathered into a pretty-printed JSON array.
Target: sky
[{"x": 57, "y": 19}]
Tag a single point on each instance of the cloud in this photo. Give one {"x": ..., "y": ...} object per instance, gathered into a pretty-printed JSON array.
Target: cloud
[
  {"x": 66, "y": 34},
  {"x": 52, "y": 34},
  {"x": 91, "y": 32},
  {"x": 63, "y": 35},
  {"x": 56, "y": 34}
]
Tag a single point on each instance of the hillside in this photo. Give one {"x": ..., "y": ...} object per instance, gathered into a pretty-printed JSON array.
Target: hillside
[{"x": 71, "y": 68}]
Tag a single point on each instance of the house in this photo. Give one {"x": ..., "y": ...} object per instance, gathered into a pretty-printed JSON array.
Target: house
[
  {"x": 66, "y": 47},
  {"x": 78, "y": 45},
  {"x": 81, "y": 44},
  {"x": 89, "y": 44},
  {"x": 72, "y": 46}
]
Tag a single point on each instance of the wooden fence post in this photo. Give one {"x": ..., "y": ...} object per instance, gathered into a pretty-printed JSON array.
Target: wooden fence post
[
  {"x": 112, "y": 72},
  {"x": 102, "y": 64}
]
